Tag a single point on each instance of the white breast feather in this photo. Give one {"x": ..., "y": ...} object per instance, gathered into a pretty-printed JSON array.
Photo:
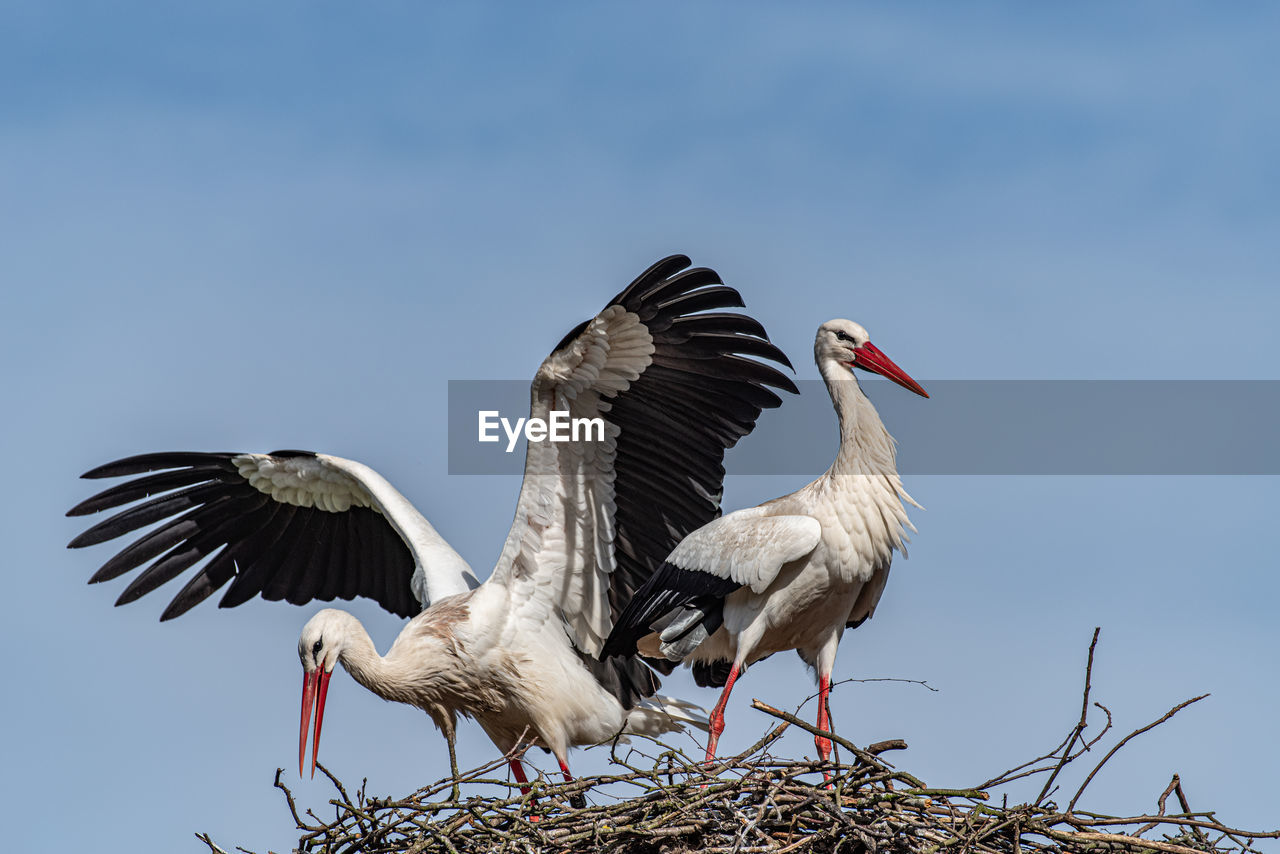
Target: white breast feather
[{"x": 865, "y": 522}]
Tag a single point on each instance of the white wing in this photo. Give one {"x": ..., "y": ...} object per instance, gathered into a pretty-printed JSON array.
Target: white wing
[
  {"x": 682, "y": 600},
  {"x": 288, "y": 525},
  {"x": 595, "y": 518},
  {"x": 747, "y": 547}
]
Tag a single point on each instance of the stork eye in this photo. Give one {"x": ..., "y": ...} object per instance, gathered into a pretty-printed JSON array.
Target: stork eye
[
  {"x": 845, "y": 336},
  {"x": 316, "y": 647}
]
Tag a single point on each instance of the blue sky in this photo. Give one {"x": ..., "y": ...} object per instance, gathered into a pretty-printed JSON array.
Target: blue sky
[{"x": 242, "y": 228}]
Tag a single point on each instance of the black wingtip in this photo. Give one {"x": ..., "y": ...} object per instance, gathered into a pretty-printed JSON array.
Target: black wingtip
[
  {"x": 657, "y": 272},
  {"x": 131, "y": 465},
  {"x": 106, "y": 573},
  {"x": 199, "y": 588},
  {"x": 181, "y": 604},
  {"x": 665, "y": 267},
  {"x": 88, "y": 507},
  {"x": 90, "y": 537},
  {"x": 159, "y": 461}
]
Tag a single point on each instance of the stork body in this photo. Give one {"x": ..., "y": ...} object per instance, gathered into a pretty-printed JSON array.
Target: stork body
[
  {"x": 675, "y": 386},
  {"x": 794, "y": 572}
]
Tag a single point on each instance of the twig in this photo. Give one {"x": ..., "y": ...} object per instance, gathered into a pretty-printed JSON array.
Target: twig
[
  {"x": 1084, "y": 719},
  {"x": 866, "y": 757},
  {"x": 1112, "y": 752}
]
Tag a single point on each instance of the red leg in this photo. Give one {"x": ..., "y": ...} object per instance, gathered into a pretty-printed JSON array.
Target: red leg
[
  {"x": 824, "y": 721},
  {"x": 518, "y": 770},
  {"x": 824, "y": 718},
  {"x": 717, "y": 714}
]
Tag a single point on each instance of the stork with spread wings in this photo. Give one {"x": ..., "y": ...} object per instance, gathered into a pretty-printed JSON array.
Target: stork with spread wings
[{"x": 676, "y": 381}]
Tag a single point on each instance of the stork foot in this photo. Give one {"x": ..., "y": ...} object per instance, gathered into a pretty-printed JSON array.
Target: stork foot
[{"x": 577, "y": 800}]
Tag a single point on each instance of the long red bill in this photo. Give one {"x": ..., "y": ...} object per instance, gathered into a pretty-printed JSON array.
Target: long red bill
[
  {"x": 870, "y": 358},
  {"x": 320, "y": 695},
  {"x": 315, "y": 685},
  {"x": 308, "y": 700}
]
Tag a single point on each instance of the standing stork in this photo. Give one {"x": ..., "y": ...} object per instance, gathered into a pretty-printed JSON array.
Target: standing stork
[
  {"x": 794, "y": 572},
  {"x": 675, "y": 384}
]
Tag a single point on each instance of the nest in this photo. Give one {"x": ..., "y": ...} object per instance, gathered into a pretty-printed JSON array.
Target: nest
[{"x": 661, "y": 800}]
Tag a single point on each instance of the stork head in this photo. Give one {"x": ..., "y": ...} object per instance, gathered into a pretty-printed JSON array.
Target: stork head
[
  {"x": 846, "y": 343},
  {"x": 323, "y": 639}
]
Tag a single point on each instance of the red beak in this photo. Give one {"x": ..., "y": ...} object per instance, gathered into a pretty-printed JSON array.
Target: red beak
[
  {"x": 870, "y": 358},
  {"x": 315, "y": 685}
]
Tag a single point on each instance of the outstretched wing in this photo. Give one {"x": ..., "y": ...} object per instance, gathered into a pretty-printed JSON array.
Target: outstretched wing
[
  {"x": 684, "y": 599},
  {"x": 675, "y": 383},
  {"x": 287, "y": 525}
]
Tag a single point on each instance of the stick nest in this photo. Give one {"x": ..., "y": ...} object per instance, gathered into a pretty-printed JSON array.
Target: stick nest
[{"x": 661, "y": 800}]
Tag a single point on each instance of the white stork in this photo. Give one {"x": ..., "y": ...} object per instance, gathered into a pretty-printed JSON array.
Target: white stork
[
  {"x": 794, "y": 572},
  {"x": 675, "y": 385}
]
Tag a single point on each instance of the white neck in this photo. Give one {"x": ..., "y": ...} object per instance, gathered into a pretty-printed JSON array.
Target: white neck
[
  {"x": 360, "y": 658},
  {"x": 865, "y": 473},
  {"x": 416, "y": 670},
  {"x": 865, "y": 445},
  {"x": 387, "y": 676}
]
